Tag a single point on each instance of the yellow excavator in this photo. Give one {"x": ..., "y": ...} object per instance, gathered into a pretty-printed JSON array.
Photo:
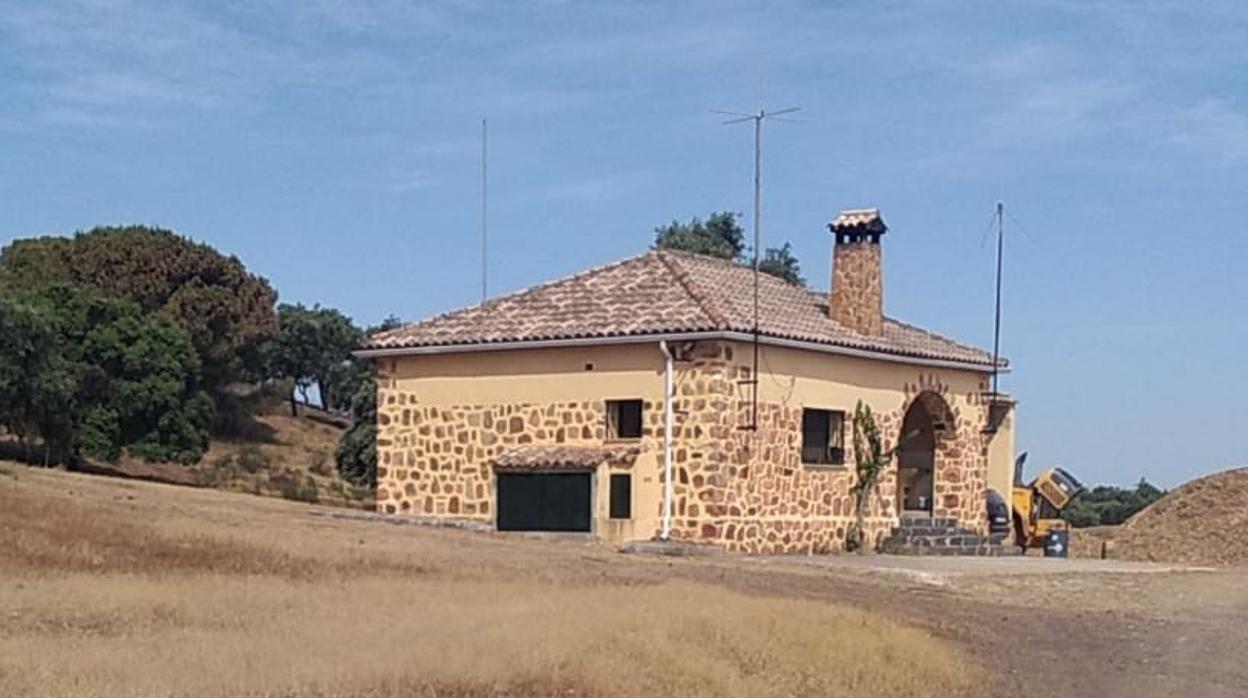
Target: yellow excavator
[{"x": 1035, "y": 507}]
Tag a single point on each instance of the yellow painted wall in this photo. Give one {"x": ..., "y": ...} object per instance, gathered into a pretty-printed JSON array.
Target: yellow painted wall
[
  {"x": 1001, "y": 455},
  {"x": 532, "y": 375}
]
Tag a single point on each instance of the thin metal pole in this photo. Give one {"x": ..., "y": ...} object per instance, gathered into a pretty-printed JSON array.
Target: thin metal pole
[
  {"x": 484, "y": 228},
  {"x": 758, "y": 119},
  {"x": 758, "y": 218},
  {"x": 996, "y": 328}
]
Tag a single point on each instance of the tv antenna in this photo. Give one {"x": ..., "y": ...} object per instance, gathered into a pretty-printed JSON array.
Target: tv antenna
[{"x": 758, "y": 118}]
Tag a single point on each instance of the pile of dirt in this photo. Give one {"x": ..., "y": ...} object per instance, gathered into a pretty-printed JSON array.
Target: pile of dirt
[{"x": 1202, "y": 522}]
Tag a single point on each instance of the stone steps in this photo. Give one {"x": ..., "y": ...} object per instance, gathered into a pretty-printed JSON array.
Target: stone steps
[{"x": 941, "y": 536}]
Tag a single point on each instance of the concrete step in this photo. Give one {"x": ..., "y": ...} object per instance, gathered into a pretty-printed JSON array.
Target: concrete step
[
  {"x": 941, "y": 536},
  {"x": 980, "y": 549},
  {"x": 912, "y": 521},
  {"x": 937, "y": 541},
  {"x": 927, "y": 531}
]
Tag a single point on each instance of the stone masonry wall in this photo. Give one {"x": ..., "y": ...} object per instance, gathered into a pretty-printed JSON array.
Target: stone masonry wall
[
  {"x": 749, "y": 491},
  {"x": 857, "y": 300},
  {"x": 961, "y": 476},
  {"x": 436, "y": 460}
]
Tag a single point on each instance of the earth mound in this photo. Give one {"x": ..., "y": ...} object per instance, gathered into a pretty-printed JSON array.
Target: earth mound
[{"x": 1203, "y": 522}]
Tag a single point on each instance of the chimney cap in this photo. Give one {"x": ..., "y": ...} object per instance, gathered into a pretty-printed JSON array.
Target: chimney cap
[{"x": 858, "y": 220}]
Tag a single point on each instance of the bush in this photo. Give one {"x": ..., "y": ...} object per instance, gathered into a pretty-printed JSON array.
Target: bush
[
  {"x": 356, "y": 454},
  {"x": 252, "y": 459},
  {"x": 293, "y": 486},
  {"x": 319, "y": 464}
]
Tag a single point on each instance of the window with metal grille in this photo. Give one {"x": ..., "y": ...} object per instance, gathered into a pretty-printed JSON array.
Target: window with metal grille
[
  {"x": 622, "y": 496},
  {"x": 624, "y": 419},
  {"x": 823, "y": 437}
]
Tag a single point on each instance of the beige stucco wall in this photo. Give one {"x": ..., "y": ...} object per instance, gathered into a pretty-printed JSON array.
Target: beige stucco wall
[
  {"x": 1001, "y": 456},
  {"x": 442, "y": 418}
]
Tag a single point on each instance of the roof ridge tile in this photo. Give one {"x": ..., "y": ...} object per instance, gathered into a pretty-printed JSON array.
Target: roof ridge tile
[{"x": 685, "y": 279}]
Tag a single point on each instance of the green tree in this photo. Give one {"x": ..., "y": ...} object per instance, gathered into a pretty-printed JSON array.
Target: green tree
[
  {"x": 313, "y": 346},
  {"x": 350, "y": 376},
  {"x": 226, "y": 311},
  {"x": 36, "y": 384},
  {"x": 718, "y": 236},
  {"x": 721, "y": 236},
  {"x": 141, "y": 392},
  {"x": 780, "y": 262},
  {"x": 356, "y": 454},
  {"x": 1108, "y": 505},
  {"x": 106, "y": 378}
]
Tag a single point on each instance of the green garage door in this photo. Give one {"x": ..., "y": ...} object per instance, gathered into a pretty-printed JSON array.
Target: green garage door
[{"x": 544, "y": 501}]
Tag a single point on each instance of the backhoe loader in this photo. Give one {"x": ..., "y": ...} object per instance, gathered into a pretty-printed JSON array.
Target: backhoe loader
[{"x": 1037, "y": 506}]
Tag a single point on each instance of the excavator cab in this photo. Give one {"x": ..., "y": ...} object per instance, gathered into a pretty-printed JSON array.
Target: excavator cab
[
  {"x": 1057, "y": 487},
  {"x": 1038, "y": 505}
]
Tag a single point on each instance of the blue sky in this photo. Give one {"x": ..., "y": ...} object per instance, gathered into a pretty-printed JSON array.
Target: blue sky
[{"x": 333, "y": 146}]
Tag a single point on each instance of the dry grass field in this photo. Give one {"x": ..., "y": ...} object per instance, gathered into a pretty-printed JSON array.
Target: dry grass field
[{"x": 111, "y": 588}]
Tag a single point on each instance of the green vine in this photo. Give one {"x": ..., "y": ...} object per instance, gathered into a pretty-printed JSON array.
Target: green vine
[{"x": 870, "y": 459}]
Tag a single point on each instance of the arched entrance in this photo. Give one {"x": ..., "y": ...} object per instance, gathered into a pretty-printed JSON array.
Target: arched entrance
[{"x": 925, "y": 426}]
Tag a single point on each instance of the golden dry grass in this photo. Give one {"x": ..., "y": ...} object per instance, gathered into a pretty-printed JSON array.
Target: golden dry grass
[{"x": 141, "y": 590}]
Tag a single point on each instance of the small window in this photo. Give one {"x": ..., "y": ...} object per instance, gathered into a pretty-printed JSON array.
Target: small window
[
  {"x": 823, "y": 437},
  {"x": 622, "y": 496},
  {"x": 624, "y": 419}
]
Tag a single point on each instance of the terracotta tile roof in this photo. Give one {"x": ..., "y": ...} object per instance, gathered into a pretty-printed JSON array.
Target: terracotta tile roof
[
  {"x": 866, "y": 218},
  {"x": 563, "y": 457},
  {"x": 665, "y": 291}
]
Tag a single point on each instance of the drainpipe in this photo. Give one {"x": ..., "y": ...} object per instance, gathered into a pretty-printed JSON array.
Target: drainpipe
[{"x": 666, "y": 530}]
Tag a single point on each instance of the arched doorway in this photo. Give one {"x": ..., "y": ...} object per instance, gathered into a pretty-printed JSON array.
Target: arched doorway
[{"x": 923, "y": 428}]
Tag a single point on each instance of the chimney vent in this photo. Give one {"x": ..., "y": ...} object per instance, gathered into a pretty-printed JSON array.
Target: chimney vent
[{"x": 857, "y": 296}]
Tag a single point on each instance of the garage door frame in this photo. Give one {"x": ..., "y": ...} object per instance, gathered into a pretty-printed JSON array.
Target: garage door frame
[{"x": 501, "y": 510}]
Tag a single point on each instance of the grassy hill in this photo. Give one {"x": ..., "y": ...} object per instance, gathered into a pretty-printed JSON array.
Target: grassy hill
[{"x": 274, "y": 455}]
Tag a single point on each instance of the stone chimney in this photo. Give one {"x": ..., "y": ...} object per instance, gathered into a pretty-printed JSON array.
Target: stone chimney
[{"x": 857, "y": 298}]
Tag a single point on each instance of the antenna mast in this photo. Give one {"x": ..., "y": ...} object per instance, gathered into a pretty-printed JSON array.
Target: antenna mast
[
  {"x": 996, "y": 326},
  {"x": 484, "y": 230},
  {"x": 758, "y": 119}
]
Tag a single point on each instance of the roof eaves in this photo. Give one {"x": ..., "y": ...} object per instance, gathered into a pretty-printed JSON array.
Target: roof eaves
[{"x": 373, "y": 341}]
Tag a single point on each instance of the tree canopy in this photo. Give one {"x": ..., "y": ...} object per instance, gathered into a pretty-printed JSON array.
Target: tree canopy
[
  {"x": 225, "y": 311},
  {"x": 718, "y": 236},
  {"x": 313, "y": 347},
  {"x": 779, "y": 261},
  {"x": 99, "y": 377},
  {"x": 721, "y": 236},
  {"x": 1106, "y": 505},
  {"x": 36, "y": 384},
  {"x": 356, "y": 454}
]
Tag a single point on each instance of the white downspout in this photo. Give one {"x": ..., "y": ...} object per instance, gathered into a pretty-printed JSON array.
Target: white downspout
[{"x": 666, "y": 529}]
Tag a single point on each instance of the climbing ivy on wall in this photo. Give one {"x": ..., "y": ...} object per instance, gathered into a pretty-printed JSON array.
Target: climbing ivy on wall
[{"x": 870, "y": 460}]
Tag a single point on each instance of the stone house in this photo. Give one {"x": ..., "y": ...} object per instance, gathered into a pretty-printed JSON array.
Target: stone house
[{"x": 564, "y": 406}]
